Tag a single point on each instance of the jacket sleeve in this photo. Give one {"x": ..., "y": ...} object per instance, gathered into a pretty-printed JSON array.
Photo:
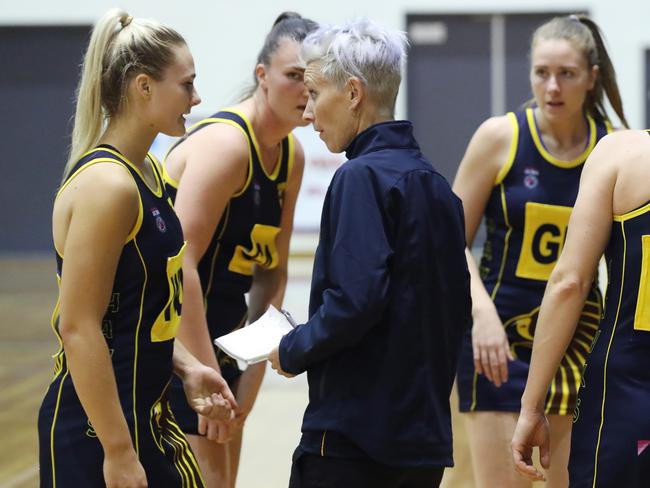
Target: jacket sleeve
[{"x": 357, "y": 261}]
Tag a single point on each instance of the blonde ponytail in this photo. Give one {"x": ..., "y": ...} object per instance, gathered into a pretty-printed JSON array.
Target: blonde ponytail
[
  {"x": 120, "y": 47},
  {"x": 89, "y": 116}
]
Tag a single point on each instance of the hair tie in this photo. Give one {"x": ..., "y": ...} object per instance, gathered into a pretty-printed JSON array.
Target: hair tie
[{"x": 126, "y": 20}]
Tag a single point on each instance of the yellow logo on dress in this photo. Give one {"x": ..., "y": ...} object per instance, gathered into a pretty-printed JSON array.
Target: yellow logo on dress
[
  {"x": 545, "y": 228},
  {"x": 166, "y": 325},
  {"x": 263, "y": 251},
  {"x": 642, "y": 314},
  {"x": 156, "y": 423}
]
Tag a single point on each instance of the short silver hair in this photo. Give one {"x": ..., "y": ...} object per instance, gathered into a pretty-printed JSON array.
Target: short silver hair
[{"x": 363, "y": 49}]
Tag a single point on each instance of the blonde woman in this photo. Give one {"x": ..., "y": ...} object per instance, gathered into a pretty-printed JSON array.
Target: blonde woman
[{"x": 105, "y": 419}]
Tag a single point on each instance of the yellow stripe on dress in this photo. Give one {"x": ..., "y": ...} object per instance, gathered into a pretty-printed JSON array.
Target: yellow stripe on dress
[{"x": 609, "y": 346}]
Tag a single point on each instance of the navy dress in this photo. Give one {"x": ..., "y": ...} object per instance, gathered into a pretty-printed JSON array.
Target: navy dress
[
  {"x": 527, "y": 216},
  {"x": 139, "y": 327}
]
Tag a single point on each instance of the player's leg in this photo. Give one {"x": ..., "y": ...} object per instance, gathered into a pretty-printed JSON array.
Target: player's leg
[
  {"x": 234, "y": 454},
  {"x": 214, "y": 461},
  {"x": 560, "y": 427},
  {"x": 490, "y": 434}
]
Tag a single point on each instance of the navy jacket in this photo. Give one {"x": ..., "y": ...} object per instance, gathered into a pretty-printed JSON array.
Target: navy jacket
[{"x": 390, "y": 300}]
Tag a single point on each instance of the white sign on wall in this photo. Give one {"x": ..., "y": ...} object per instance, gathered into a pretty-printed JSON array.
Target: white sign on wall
[{"x": 320, "y": 165}]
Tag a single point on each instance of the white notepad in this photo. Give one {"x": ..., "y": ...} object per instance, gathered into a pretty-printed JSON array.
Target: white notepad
[{"x": 253, "y": 343}]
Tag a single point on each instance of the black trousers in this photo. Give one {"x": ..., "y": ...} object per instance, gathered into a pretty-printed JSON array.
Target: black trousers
[{"x": 312, "y": 471}]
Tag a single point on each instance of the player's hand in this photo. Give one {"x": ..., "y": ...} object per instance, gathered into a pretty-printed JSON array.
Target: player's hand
[
  {"x": 219, "y": 431},
  {"x": 208, "y": 393},
  {"x": 490, "y": 346},
  {"x": 274, "y": 359},
  {"x": 531, "y": 430},
  {"x": 122, "y": 469}
]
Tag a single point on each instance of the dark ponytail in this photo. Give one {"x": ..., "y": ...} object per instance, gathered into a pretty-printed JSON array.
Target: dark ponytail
[{"x": 288, "y": 24}]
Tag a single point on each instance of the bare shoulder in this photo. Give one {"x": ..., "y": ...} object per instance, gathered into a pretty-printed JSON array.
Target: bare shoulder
[
  {"x": 621, "y": 148},
  {"x": 218, "y": 140},
  {"x": 103, "y": 196},
  {"x": 490, "y": 145},
  {"x": 216, "y": 167},
  {"x": 106, "y": 183},
  {"x": 623, "y": 160},
  {"x": 623, "y": 137},
  {"x": 217, "y": 156},
  {"x": 496, "y": 132}
]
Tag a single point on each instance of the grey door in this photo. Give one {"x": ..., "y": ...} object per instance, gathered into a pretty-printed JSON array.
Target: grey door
[
  {"x": 461, "y": 70},
  {"x": 37, "y": 84},
  {"x": 448, "y": 83}
]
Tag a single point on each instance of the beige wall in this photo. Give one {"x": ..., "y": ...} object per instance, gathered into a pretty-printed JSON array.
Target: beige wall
[{"x": 225, "y": 36}]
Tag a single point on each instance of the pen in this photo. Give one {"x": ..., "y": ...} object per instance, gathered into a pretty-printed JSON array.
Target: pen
[{"x": 289, "y": 318}]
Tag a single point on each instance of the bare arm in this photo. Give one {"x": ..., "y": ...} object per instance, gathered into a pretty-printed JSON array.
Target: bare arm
[
  {"x": 216, "y": 167},
  {"x": 269, "y": 285},
  {"x": 103, "y": 206},
  {"x": 486, "y": 154},
  {"x": 567, "y": 289},
  {"x": 207, "y": 392}
]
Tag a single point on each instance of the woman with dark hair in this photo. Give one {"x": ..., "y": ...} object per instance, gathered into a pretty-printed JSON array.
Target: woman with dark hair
[
  {"x": 235, "y": 178},
  {"x": 105, "y": 419},
  {"x": 521, "y": 171}
]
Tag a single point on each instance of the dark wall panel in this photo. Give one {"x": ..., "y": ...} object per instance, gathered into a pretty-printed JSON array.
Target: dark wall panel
[
  {"x": 37, "y": 83},
  {"x": 449, "y": 87}
]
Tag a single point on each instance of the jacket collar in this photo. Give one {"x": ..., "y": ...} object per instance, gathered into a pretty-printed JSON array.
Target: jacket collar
[{"x": 394, "y": 134}]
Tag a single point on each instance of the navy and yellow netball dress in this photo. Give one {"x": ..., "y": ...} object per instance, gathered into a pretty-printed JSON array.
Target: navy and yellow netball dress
[
  {"x": 610, "y": 443},
  {"x": 526, "y": 218},
  {"x": 244, "y": 238},
  {"x": 139, "y": 327}
]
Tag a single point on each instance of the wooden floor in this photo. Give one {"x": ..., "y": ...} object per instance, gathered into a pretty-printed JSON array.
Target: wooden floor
[{"x": 27, "y": 297}]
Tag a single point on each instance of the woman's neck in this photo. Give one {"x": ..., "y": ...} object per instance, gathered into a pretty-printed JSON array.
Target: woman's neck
[
  {"x": 130, "y": 138},
  {"x": 566, "y": 133},
  {"x": 371, "y": 115},
  {"x": 269, "y": 129}
]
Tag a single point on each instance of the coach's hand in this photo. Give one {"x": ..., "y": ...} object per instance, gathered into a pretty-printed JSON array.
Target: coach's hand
[
  {"x": 490, "y": 345},
  {"x": 274, "y": 359}
]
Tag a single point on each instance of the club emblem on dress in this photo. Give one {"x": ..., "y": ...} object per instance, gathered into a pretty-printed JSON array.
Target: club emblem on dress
[
  {"x": 281, "y": 191},
  {"x": 160, "y": 223},
  {"x": 531, "y": 179}
]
